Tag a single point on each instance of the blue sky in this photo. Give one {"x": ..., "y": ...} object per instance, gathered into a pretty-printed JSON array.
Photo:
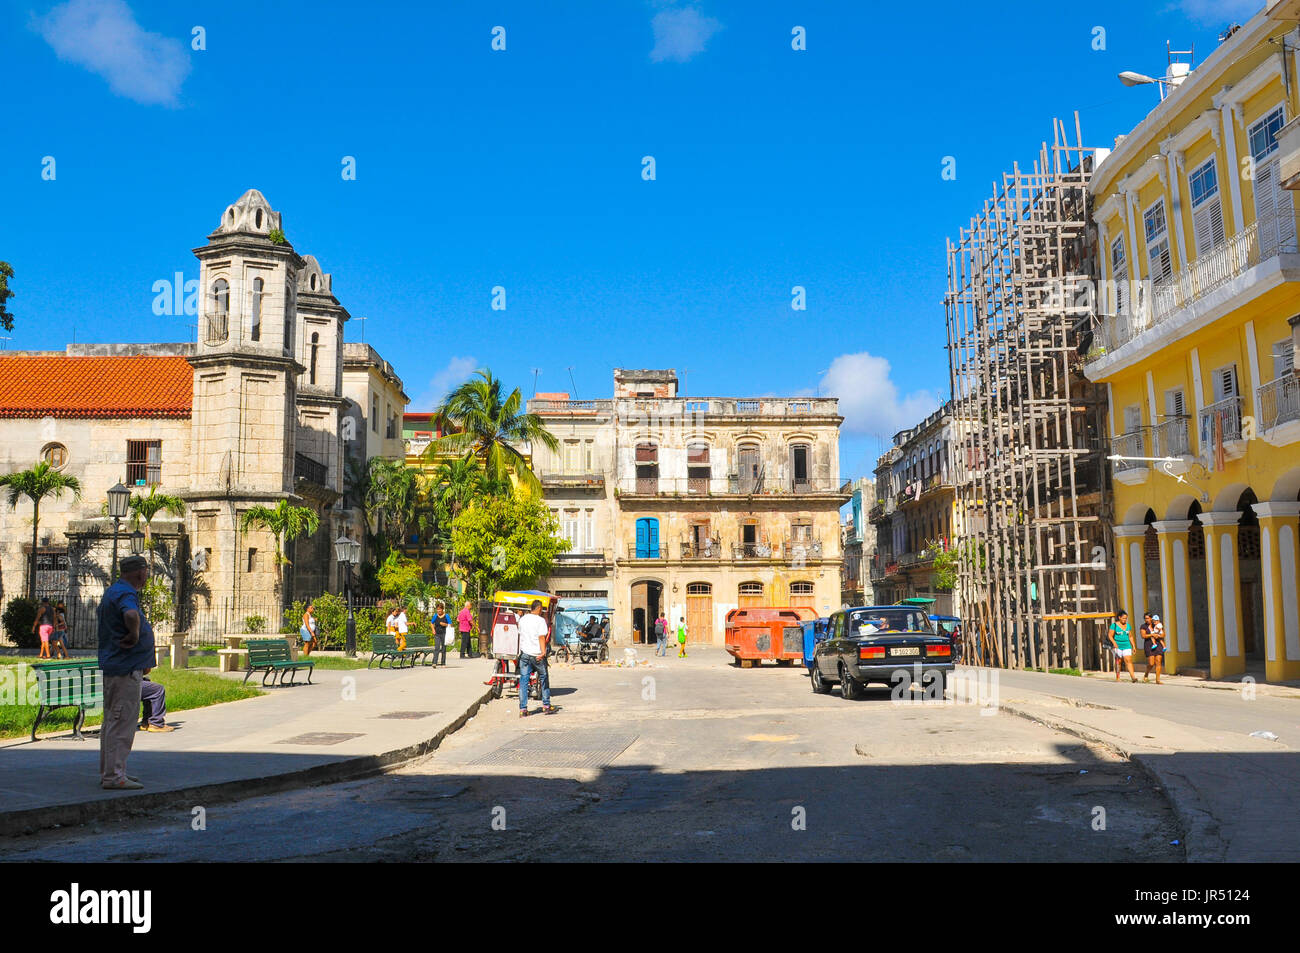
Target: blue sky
[{"x": 523, "y": 168}]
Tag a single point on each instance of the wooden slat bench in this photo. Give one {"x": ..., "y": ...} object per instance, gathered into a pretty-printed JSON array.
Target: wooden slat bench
[
  {"x": 420, "y": 642},
  {"x": 272, "y": 658},
  {"x": 66, "y": 684},
  {"x": 384, "y": 646}
]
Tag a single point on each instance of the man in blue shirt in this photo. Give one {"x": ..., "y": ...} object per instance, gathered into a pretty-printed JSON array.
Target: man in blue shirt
[{"x": 126, "y": 652}]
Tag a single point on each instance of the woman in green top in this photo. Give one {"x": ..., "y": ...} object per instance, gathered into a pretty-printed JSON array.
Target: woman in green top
[{"x": 1121, "y": 642}]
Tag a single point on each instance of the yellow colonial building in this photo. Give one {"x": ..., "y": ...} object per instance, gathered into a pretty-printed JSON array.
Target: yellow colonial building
[{"x": 1201, "y": 291}]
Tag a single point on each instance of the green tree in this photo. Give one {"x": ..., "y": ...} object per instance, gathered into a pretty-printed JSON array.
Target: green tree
[
  {"x": 392, "y": 499},
  {"x": 506, "y": 542},
  {"x": 285, "y": 522},
  {"x": 36, "y": 484},
  {"x": 398, "y": 574},
  {"x": 491, "y": 427},
  {"x": 144, "y": 507},
  {"x": 6, "y": 317}
]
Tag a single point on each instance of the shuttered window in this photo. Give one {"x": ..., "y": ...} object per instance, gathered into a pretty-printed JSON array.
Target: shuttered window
[
  {"x": 1225, "y": 383},
  {"x": 1119, "y": 274},
  {"x": 1274, "y": 210},
  {"x": 1132, "y": 419},
  {"x": 1175, "y": 404},
  {"x": 1156, "y": 228},
  {"x": 1207, "y": 210},
  {"x": 1283, "y": 358}
]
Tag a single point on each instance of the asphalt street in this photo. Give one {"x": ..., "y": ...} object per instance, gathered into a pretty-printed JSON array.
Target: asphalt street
[{"x": 689, "y": 760}]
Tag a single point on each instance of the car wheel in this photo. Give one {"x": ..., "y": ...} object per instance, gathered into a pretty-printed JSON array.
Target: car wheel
[
  {"x": 849, "y": 687},
  {"x": 819, "y": 684}
]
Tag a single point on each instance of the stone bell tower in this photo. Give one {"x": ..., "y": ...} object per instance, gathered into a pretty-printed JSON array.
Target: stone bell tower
[{"x": 246, "y": 374}]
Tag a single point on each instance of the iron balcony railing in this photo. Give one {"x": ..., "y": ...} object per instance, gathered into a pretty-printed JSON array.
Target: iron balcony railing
[
  {"x": 546, "y": 406},
  {"x": 571, "y": 563},
  {"x": 1128, "y": 445},
  {"x": 732, "y": 485},
  {"x": 1220, "y": 420},
  {"x": 1147, "y": 305},
  {"x": 657, "y": 552},
  {"x": 1279, "y": 401},
  {"x": 1173, "y": 438},
  {"x": 305, "y": 468},
  {"x": 705, "y": 549},
  {"x": 572, "y": 480}
]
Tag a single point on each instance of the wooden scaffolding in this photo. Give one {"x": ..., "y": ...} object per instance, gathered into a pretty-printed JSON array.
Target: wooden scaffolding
[{"x": 1035, "y": 557}]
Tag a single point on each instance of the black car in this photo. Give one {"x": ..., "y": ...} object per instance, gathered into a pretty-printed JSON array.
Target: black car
[{"x": 884, "y": 644}]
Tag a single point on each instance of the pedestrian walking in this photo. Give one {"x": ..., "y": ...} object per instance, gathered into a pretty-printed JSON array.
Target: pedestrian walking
[
  {"x": 1154, "y": 645},
  {"x": 681, "y": 637},
  {"x": 1121, "y": 642},
  {"x": 661, "y": 635},
  {"x": 126, "y": 652},
  {"x": 153, "y": 701},
  {"x": 534, "y": 639},
  {"x": 308, "y": 630},
  {"x": 59, "y": 640},
  {"x": 44, "y": 626},
  {"x": 465, "y": 622},
  {"x": 442, "y": 633}
]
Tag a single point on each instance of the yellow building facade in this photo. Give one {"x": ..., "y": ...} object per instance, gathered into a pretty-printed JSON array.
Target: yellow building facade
[{"x": 1199, "y": 299}]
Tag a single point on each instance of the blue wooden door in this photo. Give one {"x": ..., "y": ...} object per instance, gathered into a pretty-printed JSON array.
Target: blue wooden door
[{"x": 647, "y": 539}]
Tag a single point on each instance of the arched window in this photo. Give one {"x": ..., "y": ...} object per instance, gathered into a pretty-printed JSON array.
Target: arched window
[
  {"x": 258, "y": 219},
  {"x": 801, "y": 594},
  {"x": 750, "y": 595},
  {"x": 315, "y": 346},
  {"x": 312, "y": 282},
  {"x": 217, "y": 321},
  {"x": 290, "y": 308},
  {"x": 257, "y": 309}
]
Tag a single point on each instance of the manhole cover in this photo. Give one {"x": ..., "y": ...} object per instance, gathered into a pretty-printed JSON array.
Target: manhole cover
[
  {"x": 560, "y": 749},
  {"x": 321, "y": 738},
  {"x": 408, "y": 714}
]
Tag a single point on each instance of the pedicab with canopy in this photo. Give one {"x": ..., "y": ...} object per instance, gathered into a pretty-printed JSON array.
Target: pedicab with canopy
[
  {"x": 507, "y": 608},
  {"x": 570, "y": 635}
]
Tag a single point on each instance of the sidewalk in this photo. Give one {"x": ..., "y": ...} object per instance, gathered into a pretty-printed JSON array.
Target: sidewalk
[
  {"x": 345, "y": 724},
  {"x": 1237, "y": 796}
]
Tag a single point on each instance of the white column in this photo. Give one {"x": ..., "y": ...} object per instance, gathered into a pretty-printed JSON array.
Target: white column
[
  {"x": 1175, "y": 160},
  {"x": 1227, "y": 113}
]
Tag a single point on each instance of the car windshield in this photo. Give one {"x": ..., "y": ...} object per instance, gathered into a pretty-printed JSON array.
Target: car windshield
[{"x": 873, "y": 621}]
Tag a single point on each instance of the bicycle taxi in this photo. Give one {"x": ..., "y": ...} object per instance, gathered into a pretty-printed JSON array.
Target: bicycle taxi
[{"x": 507, "y": 607}]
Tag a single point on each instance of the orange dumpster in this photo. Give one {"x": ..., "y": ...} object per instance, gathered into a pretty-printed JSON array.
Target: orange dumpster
[{"x": 775, "y": 632}]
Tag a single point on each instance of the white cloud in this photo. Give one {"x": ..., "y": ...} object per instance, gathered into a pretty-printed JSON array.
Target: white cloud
[
  {"x": 102, "y": 36},
  {"x": 456, "y": 371},
  {"x": 680, "y": 34},
  {"x": 1219, "y": 12},
  {"x": 869, "y": 399}
]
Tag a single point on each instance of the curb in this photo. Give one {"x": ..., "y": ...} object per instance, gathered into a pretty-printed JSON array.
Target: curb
[
  {"x": 70, "y": 815},
  {"x": 1199, "y": 829}
]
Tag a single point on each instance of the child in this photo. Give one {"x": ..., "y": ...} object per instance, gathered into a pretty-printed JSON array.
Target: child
[
  {"x": 44, "y": 626},
  {"x": 681, "y": 638},
  {"x": 1155, "y": 647},
  {"x": 59, "y": 640}
]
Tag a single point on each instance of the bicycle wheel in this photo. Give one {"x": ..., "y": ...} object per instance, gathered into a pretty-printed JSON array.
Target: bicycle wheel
[{"x": 498, "y": 681}]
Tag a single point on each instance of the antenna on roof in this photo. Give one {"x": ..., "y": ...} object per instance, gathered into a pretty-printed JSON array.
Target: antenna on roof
[
  {"x": 571, "y": 381},
  {"x": 363, "y": 328},
  {"x": 3, "y": 346},
  {"x": 536, "y": 373}
]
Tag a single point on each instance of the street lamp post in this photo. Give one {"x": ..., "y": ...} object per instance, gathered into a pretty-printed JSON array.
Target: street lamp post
[
  {"x": 118, "y": 499},
  {"x": 348, "y": 552}
]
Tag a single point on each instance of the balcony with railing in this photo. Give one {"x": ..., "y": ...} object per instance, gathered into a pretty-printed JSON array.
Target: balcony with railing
[
  {"x": 305, "y": 468},
  {"x": 710, "y": 548},
  {"x": 591, "y": 563},
  {"x": 1151, "y": 309},
  {"x": 1127, "y": 446},
  {"x": 555, "y": 407},
  {"x": 732, "y": 485},
  {"x": 877, "y": 512},
  {"x": 878, "y": 563},
  {"x": 1279, "y": 403},
  {"x": 1173, "y": 437},
  {"x": 572, "y": 481},
  {"x": 1220, "y": 422}
]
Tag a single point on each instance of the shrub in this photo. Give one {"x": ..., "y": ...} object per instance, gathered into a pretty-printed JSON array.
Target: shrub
[
  {"x": 19, "y": 616},
  {"x": 254, "y": 624},
  {"x": 156, "y": 600},
  {"x": 276, "y": 235}
]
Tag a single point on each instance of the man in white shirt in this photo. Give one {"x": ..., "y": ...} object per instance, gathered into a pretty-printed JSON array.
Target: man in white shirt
[{"x": 534, "y": 638}]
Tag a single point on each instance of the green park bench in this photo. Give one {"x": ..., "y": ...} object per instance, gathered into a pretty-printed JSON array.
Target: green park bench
[
  {"x": 273, "y": 658},
  {"x": 419, "y": 642},
  {"x": 69, "y": 683},
  {"x": 384, "y": 646}
]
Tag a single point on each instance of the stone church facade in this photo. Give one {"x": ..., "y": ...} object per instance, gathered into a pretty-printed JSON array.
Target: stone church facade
[{"x": 251, "y": 413}]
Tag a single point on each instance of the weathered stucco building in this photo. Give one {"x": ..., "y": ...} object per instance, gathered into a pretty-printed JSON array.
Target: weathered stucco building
[
  {"x": 693, "y": 506},
  {"x": 251, "y": 413}
]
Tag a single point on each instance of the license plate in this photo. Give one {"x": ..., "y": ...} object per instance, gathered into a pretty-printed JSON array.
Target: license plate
[{"x": 906, "y": 650}]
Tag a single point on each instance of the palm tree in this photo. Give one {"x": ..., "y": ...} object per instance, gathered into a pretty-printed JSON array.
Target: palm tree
[
  {"x": 145, "y": 508},
  {"x": 36, "y": 484},
  {"x": 491, "y": 428},
  {"x": 285, "y": 522},
  {"x": 392, "y": 498}
]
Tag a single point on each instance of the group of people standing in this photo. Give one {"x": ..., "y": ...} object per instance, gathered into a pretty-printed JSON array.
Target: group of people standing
[
  {"x": 1121, "y": 641},
  {"x": 399, "y": 626},
  {"x": 51, "y": 626}
]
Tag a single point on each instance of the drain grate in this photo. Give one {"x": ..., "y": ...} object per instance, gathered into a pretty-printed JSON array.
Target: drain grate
[
  {"x": 321, "y": 738},
  {"x": 559, "y": 749},
  {"x": 408, "y": 714}
]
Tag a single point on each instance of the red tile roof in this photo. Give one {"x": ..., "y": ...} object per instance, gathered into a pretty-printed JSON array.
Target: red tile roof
[{"x": 61, "y": 386}]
